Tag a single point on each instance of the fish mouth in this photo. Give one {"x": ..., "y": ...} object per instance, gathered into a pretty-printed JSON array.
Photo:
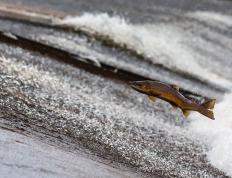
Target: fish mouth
[{"x": 136, "y": 85}]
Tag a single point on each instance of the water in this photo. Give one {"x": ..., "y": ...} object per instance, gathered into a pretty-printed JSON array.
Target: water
[
  {"x": 177, "y": 48},
  {"x": 217, "y": 134},
  {"x": 151, "y": 136},
  {"x": 91, "y": 109},
  {"x": 168, "y": 44}
]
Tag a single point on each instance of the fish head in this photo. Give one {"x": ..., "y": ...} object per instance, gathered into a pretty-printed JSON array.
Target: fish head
[{"x": 141, "y": 86}]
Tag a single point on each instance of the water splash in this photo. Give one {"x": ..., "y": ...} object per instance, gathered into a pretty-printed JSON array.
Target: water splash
[
  {"x": 167, "y": 44},
  {"x": 217, "y": 134}
]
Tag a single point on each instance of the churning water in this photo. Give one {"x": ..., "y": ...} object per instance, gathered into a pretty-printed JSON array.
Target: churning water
[
  {"x": 112, "y": 119},
  {"x": 195, "y": 46},
  {"x": 217, "y": 134}
]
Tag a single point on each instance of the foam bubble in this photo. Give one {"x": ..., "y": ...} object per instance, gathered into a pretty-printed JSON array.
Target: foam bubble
[{"x": 217, "y": 134}]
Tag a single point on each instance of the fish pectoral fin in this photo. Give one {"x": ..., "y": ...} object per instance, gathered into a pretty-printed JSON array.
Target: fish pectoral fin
[
  {"x": 186, "y": 112},
  {"x": 175, "y": 87},
  {"x": 152, "y": 98}
]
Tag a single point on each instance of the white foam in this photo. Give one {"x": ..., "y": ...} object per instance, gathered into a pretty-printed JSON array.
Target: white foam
[
  {"x": 161, "y": 43},
  {"x": 217, "y": 134}
]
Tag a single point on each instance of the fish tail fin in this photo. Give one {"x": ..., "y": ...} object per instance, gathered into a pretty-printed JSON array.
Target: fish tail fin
[
  {"x": 207, "y": 113},
  {"x": 209, "y": 104}
]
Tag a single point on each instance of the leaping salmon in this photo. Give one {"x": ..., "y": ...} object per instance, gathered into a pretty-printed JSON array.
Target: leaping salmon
[{"x": 171, "y": 94}]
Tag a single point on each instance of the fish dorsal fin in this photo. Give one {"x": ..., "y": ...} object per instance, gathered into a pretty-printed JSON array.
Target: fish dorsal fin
[
  {"x": 186, "y": 112},
  {"x": 209, "y": 104},
  {"x": 152, "y": 98},
  {"x": 175, "y": 87}
]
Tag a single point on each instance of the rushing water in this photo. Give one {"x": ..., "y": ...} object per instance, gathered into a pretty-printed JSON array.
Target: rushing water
[
  {"x": 187, "y": 47},
  {"x": 169, "y": 44},
  {"x": 196, "y": 43},
  {"x": 217, "y": 134}
]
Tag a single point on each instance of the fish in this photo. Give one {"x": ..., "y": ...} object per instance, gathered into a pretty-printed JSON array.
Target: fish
[{"x": 171, "y": 94}]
